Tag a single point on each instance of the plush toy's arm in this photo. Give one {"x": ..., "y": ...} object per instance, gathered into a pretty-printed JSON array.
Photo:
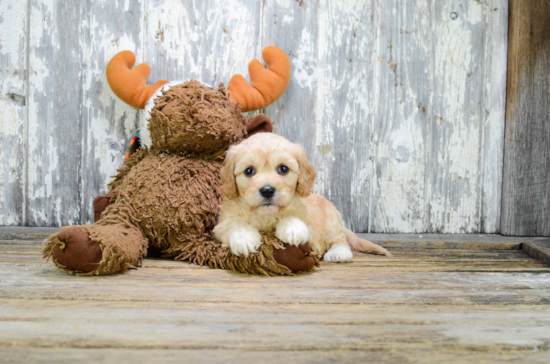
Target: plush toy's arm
[
  {"x": 102, "y": 202},
  {"x": 296, "y": 258}
]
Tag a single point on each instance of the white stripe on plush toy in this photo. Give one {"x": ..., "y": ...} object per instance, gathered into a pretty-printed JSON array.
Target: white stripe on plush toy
[{"x": 144, "y": 134}]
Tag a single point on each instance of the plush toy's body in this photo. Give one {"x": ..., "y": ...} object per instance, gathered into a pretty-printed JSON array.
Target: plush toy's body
[{"x": 167, "y": 196}]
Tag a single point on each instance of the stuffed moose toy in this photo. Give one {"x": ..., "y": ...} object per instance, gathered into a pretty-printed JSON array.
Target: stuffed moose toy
[{"x": 167, "y": 196}]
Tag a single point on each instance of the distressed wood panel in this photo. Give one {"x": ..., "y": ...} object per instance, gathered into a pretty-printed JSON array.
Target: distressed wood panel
[
  {"x": 458, "y": 119},
  {"x": 441, "y": 88},
  {"x": 54, "y": 123},
  {"x": 13, "y": 50},
  {"x": 455, "y": 146},
  {"x": 408, "y": 138},
  {"x": 401, "y": 129},
  {"x": 107, "y": 123},
  {"x": 526, "y": 197},
  {"x": 327, "y": 105},
  {"x": 493, "y": 113},
  {"x": 78, "y": 130},
  {"x": 400, "y": 105},
  {"x": 205, "y": 40}
]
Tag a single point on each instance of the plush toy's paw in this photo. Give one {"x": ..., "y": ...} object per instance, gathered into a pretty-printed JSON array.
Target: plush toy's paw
[
  {"x": 245, "y": 241},
  {"x": 295, "y": 258},
  {"x": 293, "y": 231},
  {"x": 339, "y": 254},
  {"x": 80, "y": 252},
  {"x": 100, "y": 204}
]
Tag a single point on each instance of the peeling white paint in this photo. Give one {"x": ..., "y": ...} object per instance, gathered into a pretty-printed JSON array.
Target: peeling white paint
[
  {"x": 476, "y": 12},
  {"x": 287, "y": 19},
  {"x": 303, "y": 66},
  {"x": 12, "y": 29},
  {"x": 209, "y": 41},
  {"x": 12, "y": 110},
  {"x": 108, "y": 122}
]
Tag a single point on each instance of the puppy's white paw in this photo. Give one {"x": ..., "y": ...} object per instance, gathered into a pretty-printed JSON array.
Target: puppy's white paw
[
  {"x": 245, "y": 241},
  {"x": 338, "y": 255},
  {"x": 293, "y": 231}
]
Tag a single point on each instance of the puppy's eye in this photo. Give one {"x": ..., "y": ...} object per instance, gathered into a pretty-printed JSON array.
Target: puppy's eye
[
  {"x": 249, "y": 172},
  {"x": 282, "y": 169}
]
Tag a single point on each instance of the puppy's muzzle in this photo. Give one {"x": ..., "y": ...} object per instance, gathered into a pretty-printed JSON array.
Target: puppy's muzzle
[{"x": 267, "y": 191}]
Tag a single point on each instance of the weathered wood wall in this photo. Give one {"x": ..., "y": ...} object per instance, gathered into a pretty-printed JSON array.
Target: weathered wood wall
[
  {"x": 526, "y": 197},
  {"x": 13, "y": 110},
  {"x": 400, "y": 104}
]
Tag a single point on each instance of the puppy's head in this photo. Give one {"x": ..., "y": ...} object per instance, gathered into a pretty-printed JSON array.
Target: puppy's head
[{"x": 267, "y": 171}]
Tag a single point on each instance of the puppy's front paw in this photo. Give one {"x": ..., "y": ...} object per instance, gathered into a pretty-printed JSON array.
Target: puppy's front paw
[
  {"x": 339, "y": 254},
  {"x": 245, "y": 241},
  {"x": 293, "y": 231}
]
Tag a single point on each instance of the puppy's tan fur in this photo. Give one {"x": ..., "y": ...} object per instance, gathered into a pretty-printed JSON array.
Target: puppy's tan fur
[{"x": 295, "y": 213}]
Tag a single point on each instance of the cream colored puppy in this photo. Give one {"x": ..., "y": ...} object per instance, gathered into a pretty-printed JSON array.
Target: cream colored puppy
[{"x": 267, "y": 182}]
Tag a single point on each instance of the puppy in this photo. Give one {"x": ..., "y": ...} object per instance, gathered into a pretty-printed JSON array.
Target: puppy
[{"x": 267, "y": 183}]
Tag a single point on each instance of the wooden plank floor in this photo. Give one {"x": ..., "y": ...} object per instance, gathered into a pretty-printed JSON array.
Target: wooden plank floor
[{"x": 423, "y": 305}]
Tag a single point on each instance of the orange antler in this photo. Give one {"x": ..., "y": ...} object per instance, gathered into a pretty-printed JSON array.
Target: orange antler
[
  {"x": 267, "y": 84},
  {"x": 130, "y": 85}
]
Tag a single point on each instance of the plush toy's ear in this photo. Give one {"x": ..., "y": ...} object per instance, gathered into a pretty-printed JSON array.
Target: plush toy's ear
[
  {"x": 267, "y": 85},
  {"x": 229, "y": 186},
  {"x": 258, "y": 124},
  {"x": 130, "y": 85},
  {"x": 306, "y": 177}
]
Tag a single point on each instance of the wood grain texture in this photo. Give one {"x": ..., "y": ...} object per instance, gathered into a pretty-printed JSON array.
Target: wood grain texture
[
  {"x": 326, "y": 107},
  {"x": 206, "y": 40},
  {"x": 408, "y": 107},
  {"x": 493, "y": 113},
  {"x": 526, "y": 196},
  {"x": 54, "y": 123},
  {"x": 107, "y": 122},
  {"x": 176, "y": 326},
  {"x": 401, "y": 123},
  {"x": 13, "y": 70},
  {"x": 540, "y": 250},
  {"x": 441, "y": 90},
  {"x": 440, "y": 305},
  {"x": 400, "y": 105},
  {"x": 128, "y": 356},
  {"x": 456, "y": 121}
]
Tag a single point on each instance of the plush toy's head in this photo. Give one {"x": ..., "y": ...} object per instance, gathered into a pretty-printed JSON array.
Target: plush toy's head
[
  {"x": 195, "y": 118},
  {"x": 191, "y": 117}
]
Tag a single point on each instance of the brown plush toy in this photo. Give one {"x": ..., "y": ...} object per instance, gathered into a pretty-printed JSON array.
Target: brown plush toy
[{"x": 166, "y": 197}]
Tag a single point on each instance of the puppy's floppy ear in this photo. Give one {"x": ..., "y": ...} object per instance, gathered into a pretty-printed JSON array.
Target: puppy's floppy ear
[
  {"x": 306, "y": 177},
  {"x": 229, "y": 186},
  {"x": 258, "y": 124}
]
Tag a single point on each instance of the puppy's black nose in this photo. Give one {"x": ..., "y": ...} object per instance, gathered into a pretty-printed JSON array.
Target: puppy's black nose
[{"x": 267, "y": 191}]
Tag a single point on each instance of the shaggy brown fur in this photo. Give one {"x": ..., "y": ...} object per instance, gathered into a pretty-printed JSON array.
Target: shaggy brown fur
[
  {"x": 194, "y": 118},
  {"x": 168, "y": 196}
]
